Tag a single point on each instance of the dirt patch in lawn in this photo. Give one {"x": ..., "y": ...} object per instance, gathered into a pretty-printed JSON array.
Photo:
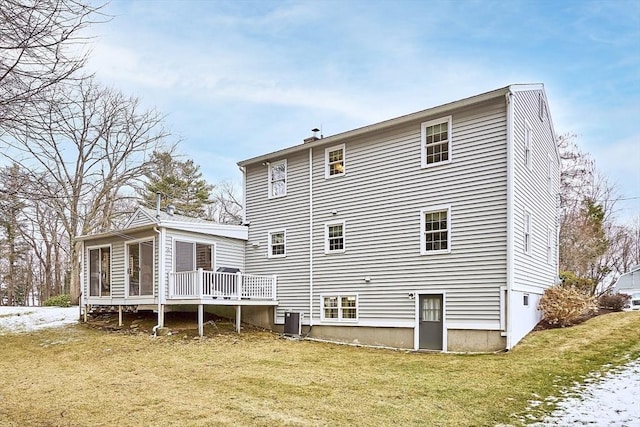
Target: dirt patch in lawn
[{"x": 176, "y": 323}]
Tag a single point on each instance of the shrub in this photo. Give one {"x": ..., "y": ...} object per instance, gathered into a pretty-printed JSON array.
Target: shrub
[
  {"x": 63, "y": 300},
  {"x": 565, "y": 305},
  {"x": 614, "y": 302},
  {"x": 583, "y": 284}
]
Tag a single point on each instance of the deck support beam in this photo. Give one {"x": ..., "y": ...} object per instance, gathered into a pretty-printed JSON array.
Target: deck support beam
[
  {"x": 161, "y": 316},
  {"x": 119, "y": 315},
  {"x": 238, "y": 312},
  {"x": 200, "y": 320},
  {"x": 86, "y": 310}
]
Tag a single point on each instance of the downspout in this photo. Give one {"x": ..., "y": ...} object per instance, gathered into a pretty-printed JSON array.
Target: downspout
[
  {"x": 244, "y": 193},
  {"x": 510, "y": 218},
  {"x": 244, "y": 214},
  {"x": 162, "y": 298},
  {"x": 310, "y": 237}
]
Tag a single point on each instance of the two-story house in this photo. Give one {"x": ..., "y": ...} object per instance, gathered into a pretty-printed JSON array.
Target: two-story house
[{"x": 436, "y": 230}]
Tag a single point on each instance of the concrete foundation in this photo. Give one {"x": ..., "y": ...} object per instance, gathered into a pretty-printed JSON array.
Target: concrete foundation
[
  {"x": 386, "y": 337},
  {"x": 473, "y": 341}
]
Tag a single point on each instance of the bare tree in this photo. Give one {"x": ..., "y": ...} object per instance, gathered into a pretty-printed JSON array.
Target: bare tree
[
  {"x": 226, "y": 207},
  {"x": 92, "y": 143},
  {"x": 41, "y": 45},
  {"x": 589, "y": 236}
]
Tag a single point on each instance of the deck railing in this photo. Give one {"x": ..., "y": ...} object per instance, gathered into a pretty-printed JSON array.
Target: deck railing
[{"x": 201, "y": 284}]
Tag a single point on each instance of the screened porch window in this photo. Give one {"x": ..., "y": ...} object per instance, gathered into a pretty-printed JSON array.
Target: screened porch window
[
  {"x": 191, "y": 256},
  {"x": 100, "y": 272}
]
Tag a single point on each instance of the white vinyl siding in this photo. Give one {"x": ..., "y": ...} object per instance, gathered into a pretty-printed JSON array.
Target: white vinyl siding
[
  {"x": 292, "y": 214},
  {"x": 277, "y": 244},
  {"x": 535, "y": 190},
  {"x": 278, "y": 178},
  {"x": 334, "y": 161},
  {"x": 381, "y": 206},
  {"x": 436, "y": 141}
]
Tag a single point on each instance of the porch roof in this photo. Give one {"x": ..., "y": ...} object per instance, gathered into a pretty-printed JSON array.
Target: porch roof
[{"x": 173, "y": 222}]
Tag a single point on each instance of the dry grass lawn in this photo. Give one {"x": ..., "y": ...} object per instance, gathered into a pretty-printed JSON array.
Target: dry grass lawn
[{"x": 79, "y": 376}]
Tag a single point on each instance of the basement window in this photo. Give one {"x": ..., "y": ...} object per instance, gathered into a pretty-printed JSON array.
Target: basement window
[{"x": 339, "y": 307}]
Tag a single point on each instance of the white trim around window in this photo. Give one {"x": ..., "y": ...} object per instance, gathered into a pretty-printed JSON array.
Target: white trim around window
[
  {"x": 335, "y": 161},
  {"x": 527, "y": 235},
  {"x": 436, "y": 142},
  {"x": 435, "y": 230},
  {"x": 277, "y": 244},
  {"x": 335, "y": 240},
  {"x": 341, "y": 307},
  {"x": 277, "y": 179}
]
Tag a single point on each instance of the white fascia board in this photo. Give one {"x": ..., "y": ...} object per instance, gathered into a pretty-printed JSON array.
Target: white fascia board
[
  {"x": 341, "y": 137},
  {"x": 119, "y": 232},
  {"x": 222, "y": 230}
]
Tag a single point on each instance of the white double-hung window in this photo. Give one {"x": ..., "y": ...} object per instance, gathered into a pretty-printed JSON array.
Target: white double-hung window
[
  {"x": 435, "y": 230},
  {"x": 334, "y": 237},
  {"x": 334, "y": 161},
  {"x": 436, "y": 142},
  {"x": 278, "y": 179},
  {"x": 339, "y": 307},
  {"x": 277, "y": 244}
]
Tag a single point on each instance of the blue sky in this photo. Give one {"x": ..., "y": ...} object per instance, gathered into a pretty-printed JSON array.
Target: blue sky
[{"x": 242, "y": 78}]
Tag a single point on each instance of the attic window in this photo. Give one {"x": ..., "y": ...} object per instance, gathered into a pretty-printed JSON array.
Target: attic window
[
  {"x": 436, "y": 141},
  {"x": 541, "y": 106},
  {"x": 334, "y": 161}
]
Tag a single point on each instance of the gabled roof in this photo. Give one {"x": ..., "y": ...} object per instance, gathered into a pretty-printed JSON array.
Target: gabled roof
[
  {"x": 439, "y": 110},
  {"x": 146, "y": 219}
]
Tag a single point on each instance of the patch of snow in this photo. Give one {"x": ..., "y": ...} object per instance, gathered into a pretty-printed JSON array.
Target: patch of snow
[
  {"x": 25, "y": 319},
  {"x": 612, "y": 399}
]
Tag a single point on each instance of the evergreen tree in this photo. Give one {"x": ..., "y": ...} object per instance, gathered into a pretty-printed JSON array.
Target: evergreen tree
[{"x": 180, "y": 183}]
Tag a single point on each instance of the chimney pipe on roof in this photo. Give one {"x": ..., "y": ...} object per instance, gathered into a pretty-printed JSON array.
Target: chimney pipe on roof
[
  {"x": 158, "y": 196},
  {"x": 314, "y": 137}
]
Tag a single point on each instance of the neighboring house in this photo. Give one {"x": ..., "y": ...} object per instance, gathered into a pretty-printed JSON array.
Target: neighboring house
[
  {"x": 629, "y": 283},
  {"x": 160, "y": 260},
  {"x": 435, "y": 230}
]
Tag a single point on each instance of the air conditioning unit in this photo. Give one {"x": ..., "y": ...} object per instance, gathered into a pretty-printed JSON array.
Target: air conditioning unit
[{"x": 292, "y": 324}]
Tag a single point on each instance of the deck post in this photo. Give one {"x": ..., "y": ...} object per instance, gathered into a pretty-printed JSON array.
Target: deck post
[
  {"x": 239, "y": 284},
  {"x": 161, "y": 316},
  {"x": 274, "y": 284},
  {"x": 200, "y": 283},
  {"x": 120, "y": 315},
  {"x": 86, "y": 309},
  {"x": 238, "y": 312},
  {"x": 200, "y": 320}
]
